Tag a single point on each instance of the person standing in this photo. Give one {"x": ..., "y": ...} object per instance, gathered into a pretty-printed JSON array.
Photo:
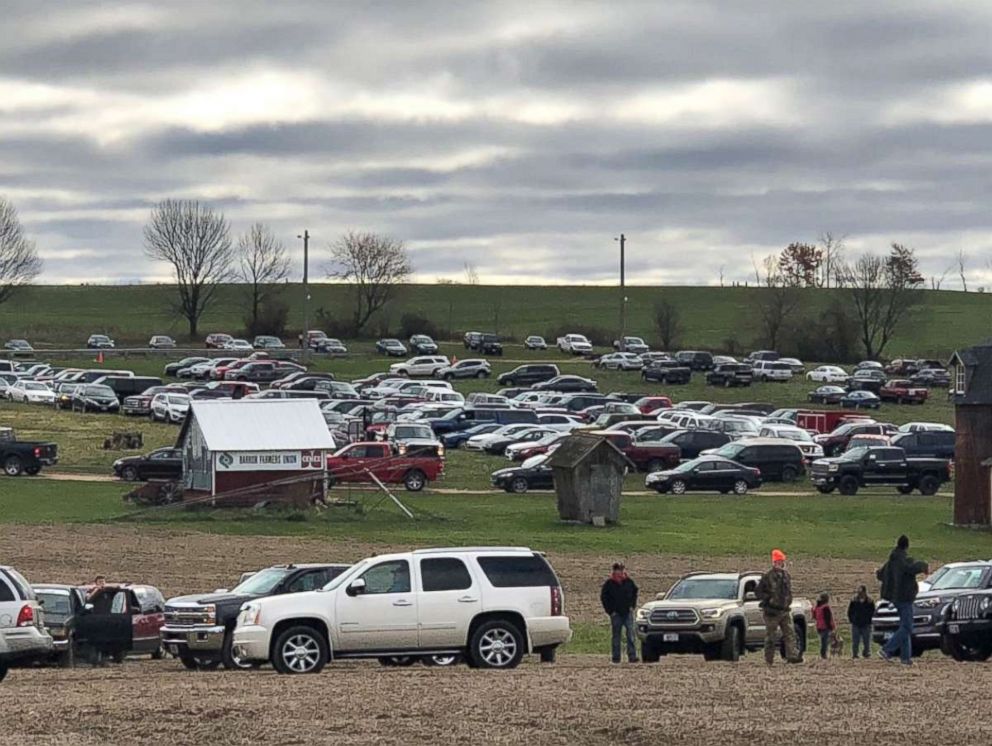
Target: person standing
[
  {"x": 774, "y": 594},
  {"x": 825, "y": 623},
  {"x": 859, "y": 613},
  {"x": 619, "y": 599},
  {"x": 898, "y": 577}
]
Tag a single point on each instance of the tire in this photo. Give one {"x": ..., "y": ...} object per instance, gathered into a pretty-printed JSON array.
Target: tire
[
  {"x": 848, "y": 485},
  {"x": 13, "y": 466},
  {"x": 32, "y": 470},
  {"x": 730, "y": 648},
  {"x": 118, "y": 657},
  {"x": 518, "y": 485},
  {"x": 549, "y": 654},
  {"x": 414, "y": 480},
  {"x": 790, "y": 474},
  {"x": 904, "y": 489},
  {"x": 227, "y": 657},
  {"x": 481, "y": 374},
  {"x": 398, "y": 661},
  {"x": 3, "y": 671},
  {"x": 68, "y": 658},
  {"x": 448, "y": 376},
  {"x": 678, "y": 487},
  {"x": 497, "y": 644},
  {"x": 656, "y": 464},
  {"x": 929, "y": 485},
  {"x": 740, "y": 487},
  {"x": 299, "y": 650},
  {"x": 158, "y": 654},
  {"x": 650, "y": 652},
  {"x": 968, "y": 653},
  {"x": 726, "y": 383},
  {"x": 441, "y": 661},
  {"x": 129, "y": 474},
  {"x": 824, "y": 490}
]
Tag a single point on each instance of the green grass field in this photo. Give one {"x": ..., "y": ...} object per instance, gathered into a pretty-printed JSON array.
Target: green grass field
[{"x": 63, "y": 316}]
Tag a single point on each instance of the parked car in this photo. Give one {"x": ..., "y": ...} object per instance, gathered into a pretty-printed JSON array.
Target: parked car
[
  {"x": 772, "y": 370},
  {"x": 801, "y": 438},
  {"x": 390, "y": 347},
  {"x": 534, "y": 342},
  {"x": 706, "y": 473},
  {"x": 426, "y": 365},
  {"x": 162, "y": 342},
  {"x": 828, "y": 374},
  {"x": 23, "y": 637},
  {"x": 867, "y": 379},
  {"x": 762, "y": 355},
  {"x": 861, "y": 400},
  {"x": 171, "y": 370},
  {"x": 330, "y": 346},
  {"x": 62, "y": 606},
  {"x": 653, "y": 404},
  {"x": 835, "y": 442},
  {"x": 862, "y": 467},
  {"x": 170, "y": 407},
  {"x": 517, "y": 607},
  {"x": 489, "y": 344},
  {"x": 927, "y": 443},
  {"x": 528, "y": 374},
  {"x": 125, "y": 386},
  {"x": 691, "y": 443},
  {"x": 99, "y": 342},
  {"x": 238, "y": 345},
  {"x": 575, "y": 344},
  {"x": 827, "y": 395},
  {"x": 357, "y": 461},
  {"x": 797, "y": 365},
  {"x": 932, "y": 378},
  {"x": 460, "y": 437},
  {"x": 534, "y": 474},
  {"x": 267, "y": 342},
  {"x": 869, "y": 365},
  {"x": 162, "y": 463},
  {"x": 902, "y": 391},
  {"x": 619, "y": 361},
  {"x": 136, "y": 404},
  {"x": 217, "y": 341},
  {"x": 631, "y": 344},
  {"x": 777, "y": 460},
  {"x": 670, "y": 372},
  {"x": 566, "y": 384},
  {"x": 902, "y": 367},
  {"x": 421, "y": 344},
  {"x": 30, "y": 392},
  {"x": 467, "y": 368},
  {"x": 730, "y": 374},
  {"x": 92, "y": 397},
  {"x": 18, "y": 347},
  {"x": 919, "y": 427},
  {"x": 471, "y": 340},
  {"x": 122, "y": 619},
  {"x": 695, "y": 359}
]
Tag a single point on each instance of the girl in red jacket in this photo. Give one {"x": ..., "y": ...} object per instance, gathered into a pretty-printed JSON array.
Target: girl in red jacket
[{"x": 825, "y": 624}]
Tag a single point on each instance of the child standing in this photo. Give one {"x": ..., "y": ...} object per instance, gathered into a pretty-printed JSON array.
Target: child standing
[{"x": 825, "y": 624}]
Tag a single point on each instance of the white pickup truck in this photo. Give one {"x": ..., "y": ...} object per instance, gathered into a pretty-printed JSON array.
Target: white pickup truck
[
  {"x": 490, "y": 605},
  {"x": 576, "y": 344}
]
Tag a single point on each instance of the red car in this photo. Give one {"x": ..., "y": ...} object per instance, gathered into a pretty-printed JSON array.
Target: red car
[
  {"x": 217, "y": 341},
  {"x": 645, "y": 455},
  {"x": 902, "y": 391},
  {"x": 651, "y": 404},
  {"x": 219, "y": 373},
  {"x": 122, "y": 619},
  {"x": 359, "y": 462}
]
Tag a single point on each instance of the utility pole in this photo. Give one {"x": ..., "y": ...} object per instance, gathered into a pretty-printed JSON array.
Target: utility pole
[
  {"x": 623, "y": 290},
  {"x": 306, "y": 296}
]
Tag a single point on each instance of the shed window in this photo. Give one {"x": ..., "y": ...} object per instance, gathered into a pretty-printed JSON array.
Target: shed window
[{"x": 959, "y": 375}]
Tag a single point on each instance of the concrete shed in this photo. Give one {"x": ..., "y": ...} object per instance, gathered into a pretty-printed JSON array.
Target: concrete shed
[{"x": 231, "y": 444}]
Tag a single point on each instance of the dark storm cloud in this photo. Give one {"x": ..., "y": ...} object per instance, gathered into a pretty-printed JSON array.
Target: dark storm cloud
[{"x": 520, "y": 137}]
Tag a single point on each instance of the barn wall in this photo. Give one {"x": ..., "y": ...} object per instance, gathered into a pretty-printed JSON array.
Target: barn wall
[
  {"x": 296, "y": 493},
  {"x": 972, "y": 499},
  {"x": 197, "y": 463}
]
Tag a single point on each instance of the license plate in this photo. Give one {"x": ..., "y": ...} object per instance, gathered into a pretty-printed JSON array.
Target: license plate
[
  {"x": 954, "y": 629},
  {"x": 174, "y": 649},
  {"x": 887, "y": 636},
  {"x": 670, "y": 637}
]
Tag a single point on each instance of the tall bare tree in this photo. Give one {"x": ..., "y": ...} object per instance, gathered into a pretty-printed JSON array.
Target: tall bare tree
[
  {"x": 19, "y": 261},
  {"x": 832, "y": 247},
  {"x": 196, "y": 241},
  {"x": 882, "y": 291},
  {"x": 776, "y": 306},
  {"x": 375, "y": 265},
  {"x": 471, "y": 274},
  {"x": 668, "y": 322},
  {"x": 263, "y": 263},
  {"x": 962, "y": 271}
]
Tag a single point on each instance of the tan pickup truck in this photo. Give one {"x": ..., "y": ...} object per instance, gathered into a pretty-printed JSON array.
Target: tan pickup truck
[{"x": 713, "y": 614}]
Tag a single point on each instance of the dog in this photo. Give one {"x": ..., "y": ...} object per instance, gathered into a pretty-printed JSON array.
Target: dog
[{"x": 836, "y": 644}]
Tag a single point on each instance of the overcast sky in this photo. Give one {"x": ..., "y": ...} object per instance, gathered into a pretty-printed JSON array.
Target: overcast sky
[{"x": 518, "y": 137}]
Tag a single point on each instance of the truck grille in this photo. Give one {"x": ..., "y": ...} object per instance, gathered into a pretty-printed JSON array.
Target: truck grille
[
  {"x": 968, "y": 607},
  {"x": 661, "y": 617},
  {"x": 182, "y": 616}
]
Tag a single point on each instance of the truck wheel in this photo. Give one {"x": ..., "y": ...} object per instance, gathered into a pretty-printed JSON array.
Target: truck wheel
[
  {"x": 481, "y": 374},
  {"x": 656, "y": 464},
  {"x": 904, "y": 489},
  {"x": 13, "y": 466},
  {"x": 740, "y": 487},
  {"x": 711, "y": 652},
  {"x": 964, "y": 653},
  {"x": 549, "y": 654},
  {"x": 3, "y": 671},
  {"x": 518, "y": 485},
  {"x": 414, "y": 480},
  {"x": 32, "y": 470},
  {"x": 650, "y": 652},
  {"x": 678, "y": 487},
  {"x": 848, "y": 485},
  {"x": 397, "y": 661},
  {"x": 730, "y": 650},
  {"x": 789, "y": 474},
  {"x": 299, "y": 650},
  {"x": 229, "y": 659},
  {"x": 68, "y": 658},
  {"x": 824, "y": 490},
  {"x": 441, "y": 661},
  {"x": 496, "y": 644},
  {"x": 929, "y": 485},
  {"x": 129, "y": 474}
]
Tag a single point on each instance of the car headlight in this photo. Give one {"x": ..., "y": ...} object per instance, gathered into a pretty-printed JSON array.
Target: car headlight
[
  {"x": 928, "y": 603},
  {"x": 954, "y": 605},
  {"x": 251, "y": 614},
  {"x": 711, "y": 613},
  {"x": 833, "y": 467},
  {"x": 211, "y": 610},
  {"x": 643, "y": 613}
]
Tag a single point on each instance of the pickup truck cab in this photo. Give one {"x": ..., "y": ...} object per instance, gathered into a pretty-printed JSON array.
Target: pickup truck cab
[
  {"x": 902, "y": 391},
  {"x": 492, "y": 605},
  {"x": 371, "y": 461},
  {"x": 25, "y": 457},
  {"x": 863, "y": 467},
  {"x": 631, "y": 344},
  {"x": 575, "y": 344}
]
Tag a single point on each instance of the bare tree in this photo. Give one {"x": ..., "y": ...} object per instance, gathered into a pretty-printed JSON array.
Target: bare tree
[
  {"x": 777, "y": 304},
  {"x": 962, "y": 272},
  {"x": 196, "y": 241},
  {"x": 882, "y": 291},
  {"x": 263, "y": 263},
  {"x": 833, "y": 257},
  {"x": 375, "y": 265},
  {"x": 668, "y": 322},
  {"x": 19, "y": 261},
  {"x": 722, "y": 267},
  {"x": 471, "y": 274}
]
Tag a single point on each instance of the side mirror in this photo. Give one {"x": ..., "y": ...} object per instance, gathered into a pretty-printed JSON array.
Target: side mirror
[
  {"x": 750, "y": 596},
  {"x": 221, "y": 590},
  {"x": 660, "y": 596},
  {"x": 356, "y": 587},
  {"x": 88, "y": 608}
]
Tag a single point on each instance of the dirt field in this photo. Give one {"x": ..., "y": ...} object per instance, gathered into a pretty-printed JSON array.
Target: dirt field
[{"x": 579, "y": 700}]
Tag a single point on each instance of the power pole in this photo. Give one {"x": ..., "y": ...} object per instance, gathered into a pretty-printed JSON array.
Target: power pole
[
  {"x": 623, "y": 291},
  {"x": 306, "y": 296}
]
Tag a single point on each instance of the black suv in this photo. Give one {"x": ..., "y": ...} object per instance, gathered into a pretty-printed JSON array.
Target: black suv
[
  {"x": 693, "y": 442},
  {"x": 777, "y": 462},
  {"x": 666, "y": 371},
  {"x": 471, "y": 340},
  {"x": 489, "y": 344},
  {"x": 695, "y": 359},
  {"x": 730, "y": 374},
  {"x": 524, "y": 375},
  {"x": 927, "y": 443}
]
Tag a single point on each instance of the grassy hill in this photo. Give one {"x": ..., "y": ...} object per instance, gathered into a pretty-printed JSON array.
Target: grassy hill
[{"x": 66, "y": 315}]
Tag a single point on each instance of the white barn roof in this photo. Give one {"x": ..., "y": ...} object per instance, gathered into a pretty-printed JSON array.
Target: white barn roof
[{"x": 260, "y": 424}]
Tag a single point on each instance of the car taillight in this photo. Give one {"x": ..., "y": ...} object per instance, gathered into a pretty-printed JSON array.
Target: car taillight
[
  {"x": 37, "y": 452},
  {"x": 26, "y": 616},
  {"x": 556, "y": 600}
]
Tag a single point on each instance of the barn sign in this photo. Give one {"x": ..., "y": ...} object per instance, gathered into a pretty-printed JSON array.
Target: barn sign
[{"x": 268, "y": 460}]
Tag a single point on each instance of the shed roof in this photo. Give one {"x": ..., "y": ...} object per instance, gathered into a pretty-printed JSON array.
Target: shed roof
[
  {"x": 977, "y": 360},
  {"x": 259, "y": 424},
  {"x": 577, "y": 447}
]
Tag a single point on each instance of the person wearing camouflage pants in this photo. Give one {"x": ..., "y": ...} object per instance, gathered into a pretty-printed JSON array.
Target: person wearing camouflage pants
[{"x": 774, "y": 594}]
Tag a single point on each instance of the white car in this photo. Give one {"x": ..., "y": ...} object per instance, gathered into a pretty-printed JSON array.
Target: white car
[
  {"x": 490, "y": 605},
  {"x": 441, "y": 396},
  {"x": 922, "y": 427},
  {"x": 828, "y": 374},
  {"x": 772, "y": 370},
  {"x": 531, "y": 439},
  {"x": 534, "y": 342},
  {"x": 239, "y": 345},
  {"x": 802, "y": 438},
  {"x": 481, "y": 442},
  {"x": 564, "y": 423},
  {"x": 30, "y": 392},
  {"x": 621, "y": 361},
  {"x": 425, "y": 366},
  {"x": 576, "y": 344},
  {"x": 170, "y": 407},
  {"x": 23, "y": 637}
]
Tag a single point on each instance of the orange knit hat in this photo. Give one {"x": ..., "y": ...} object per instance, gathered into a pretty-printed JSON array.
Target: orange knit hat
[{"x": 778, "y": 555}]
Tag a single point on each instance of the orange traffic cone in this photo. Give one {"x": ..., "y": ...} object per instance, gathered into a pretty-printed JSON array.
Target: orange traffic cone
[
  {"x": 99, "y": 357},
  {"x": 454, "y": 359}
]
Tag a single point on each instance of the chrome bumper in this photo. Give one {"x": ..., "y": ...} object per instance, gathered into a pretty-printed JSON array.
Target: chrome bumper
[{"x": 193, "y": 638}]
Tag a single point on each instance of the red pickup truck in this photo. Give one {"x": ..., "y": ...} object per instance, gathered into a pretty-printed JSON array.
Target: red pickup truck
[
  {"x": 902, "y": 391},
  {"x": 646, "y": 456},
  {"x": 359, "y": 462}
]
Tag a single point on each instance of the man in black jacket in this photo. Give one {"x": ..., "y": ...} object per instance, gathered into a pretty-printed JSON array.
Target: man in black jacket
[
  {"x": 898, "y": 577},
  {"x": 859, "y": 613},
  {"x": 619, "y": 598}
]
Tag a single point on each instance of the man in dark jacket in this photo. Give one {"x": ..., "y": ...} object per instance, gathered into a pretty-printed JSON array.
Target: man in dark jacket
[
  {"x": 619, "y": 598},
  {"x": 774, "y": 593},
  {"x": 859, "y": 614},
  {"x": 898, "y": 577}
]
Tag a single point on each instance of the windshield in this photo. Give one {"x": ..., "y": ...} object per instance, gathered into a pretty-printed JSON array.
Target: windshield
[
  {"x": 57, "y": 606},
  {"x": 182, "y": 401},
  {"x": 262, "y": 582},
  {"x": 99, "y": 391},
  {"x": 32, "y": 386},
  {"x": 960, "y": 577},
  {"x": 730, "y": 450},
  {"x": 800, "y": 435},
  {"x": 703, "y": 588},
  {"x": 684, "y": 467}
]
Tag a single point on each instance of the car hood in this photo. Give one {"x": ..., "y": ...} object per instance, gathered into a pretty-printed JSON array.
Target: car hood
[
  {"x": 692, "y": 603},
  {"x": 224, "y": 599}
]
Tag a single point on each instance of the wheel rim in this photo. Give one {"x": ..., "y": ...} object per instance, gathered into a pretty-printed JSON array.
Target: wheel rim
[
  {"x": 498, "y": 647},
  {"x": 12, "y": 467},
  {"x": 444, "y": 660},
  {"x": 300, "y": 653},
  {"x": 678, "y": 488},
  {"x": 414, "y": 482},
  {"x": 519, "y": 485},
  {"x": 130, "y": 475},
  {"x": 740, "y": 486}
]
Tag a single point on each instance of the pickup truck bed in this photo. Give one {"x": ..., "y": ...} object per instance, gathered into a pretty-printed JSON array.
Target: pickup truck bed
[
  {"x": 886, "y": 465},
  {"x": 25, "y": 457}
]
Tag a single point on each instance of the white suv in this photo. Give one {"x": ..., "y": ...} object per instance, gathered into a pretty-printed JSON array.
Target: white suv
[
  {"x": 170, "y": 406},
  {"x": 426, "y": 365},
  {"x": 23, "y": 638},
  {"x": 489, "y": 604},
  {"x": 772, "y": 370}
]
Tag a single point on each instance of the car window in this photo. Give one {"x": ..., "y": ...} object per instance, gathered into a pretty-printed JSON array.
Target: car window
[
  {"x": 523, "y": 571},
  {"x": 444, "y": 574},
  {"x": 6, "y": 592},
  {"x": 308, "y": 581},
  {"x": 388, "y": 577}
]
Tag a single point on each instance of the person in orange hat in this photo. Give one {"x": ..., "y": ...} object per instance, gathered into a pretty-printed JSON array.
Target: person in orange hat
[{"x": 774, "y": 594}]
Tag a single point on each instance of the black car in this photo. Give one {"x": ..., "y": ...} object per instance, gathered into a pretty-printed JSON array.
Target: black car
[
  {"x": 932, "y": 378},
  {"x": 708, "y": 474},
  {"x": 730, "y": 374},
  {"x": 693, "y": 442},
  {"x": 528, "y": 374},
  {"x": 867, "y": 379},
  {"x": 471, "y": 340},
  {"x": 666, "y": 371},
  {"x": 522, "y": 478},
  {"x": 163, "y": 463},
  {"x": 421, "y": 344},
  {"x": 489, "y": 344},
  {"x": 927, "y": 443},
  {"x": 171, "y": 369},
  {"x": 63, "y": 605},
  {"x": 577, "y": 384},
  {"x": 827, "y": 395},
  {"x": 94, "y": 397},
  {"x": 777, "y": 462},
  {"x": 695, "y": 359}
]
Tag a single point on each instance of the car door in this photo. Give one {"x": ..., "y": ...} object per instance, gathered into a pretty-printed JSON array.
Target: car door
[
  {"x": 702, "y": 476},
  {"x": 753, "y": 615},
  {"x": 105, "y": 624},
  {"x": 891, "y": 465},
  {"x": 147, "y": 617},
  {"x": 381, "y": 616},
  {"x": 722, "y": 475},
  {"x": 449, "y": 597}
]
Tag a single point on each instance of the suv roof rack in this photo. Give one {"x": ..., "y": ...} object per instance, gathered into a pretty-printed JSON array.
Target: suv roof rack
[{"x": 438, "y": 550}]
